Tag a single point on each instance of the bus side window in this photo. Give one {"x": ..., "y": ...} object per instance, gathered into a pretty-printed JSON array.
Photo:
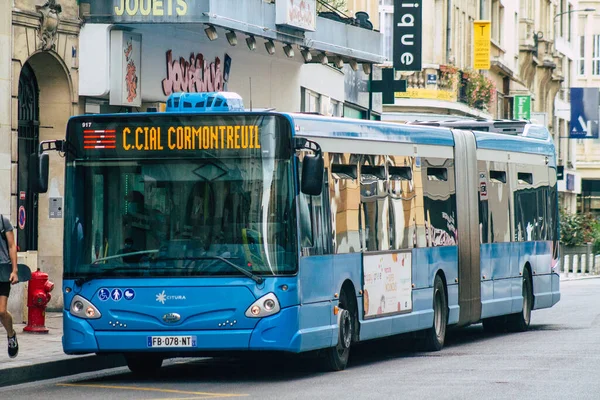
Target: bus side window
[
  {"x": 439, "y": 201},
  {"x": 314, "y": 220},
  {"x": 405, "y": 194},
  {"x": 374, "y": 205},
  {"x": 344, "y": 193},
  {"x": 498, "y": 193},
  {"x": 526, "y": 204}
]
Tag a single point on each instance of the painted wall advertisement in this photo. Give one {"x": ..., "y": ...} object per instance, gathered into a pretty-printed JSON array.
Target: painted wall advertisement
[
  {"x": 126, "y": 56},
  {"x": 387, "y": 284}
]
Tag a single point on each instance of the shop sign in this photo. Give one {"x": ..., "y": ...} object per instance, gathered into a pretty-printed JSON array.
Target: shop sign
[
  {"x": 482, "y": 44},
  {"x": 522, "y": 107},
  {"x": 432, "y": 94},
  {"x": 299, "y": 14},
  {"x": 195, "y": 75},
  {"x": 585, "y": 117},
  {"x": 408, "y": 35},
  {"x": 150, "y": 8}
]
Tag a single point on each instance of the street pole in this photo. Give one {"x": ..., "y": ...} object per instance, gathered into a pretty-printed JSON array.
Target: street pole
[{"x": 370, "y": 94}]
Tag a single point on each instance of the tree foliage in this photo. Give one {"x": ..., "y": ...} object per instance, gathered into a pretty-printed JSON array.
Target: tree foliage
[
  {"x": 579, "y": 229},
  {"x": 340, "y": 5}
]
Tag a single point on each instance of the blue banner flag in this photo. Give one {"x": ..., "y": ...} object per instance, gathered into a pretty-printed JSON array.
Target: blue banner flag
[{"x": 584, "y": 113}]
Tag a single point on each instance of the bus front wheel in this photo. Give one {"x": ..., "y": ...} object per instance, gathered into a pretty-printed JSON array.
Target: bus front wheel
[
  {"x": 337, "y": 357},
  {"x": 144, "y": 364}
]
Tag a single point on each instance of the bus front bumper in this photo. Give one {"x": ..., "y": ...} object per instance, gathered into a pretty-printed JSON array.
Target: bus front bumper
[{"x": 279, "y": 332}]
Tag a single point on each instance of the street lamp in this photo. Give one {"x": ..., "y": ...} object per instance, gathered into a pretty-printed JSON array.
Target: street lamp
[{"x": 589, "y": 9}]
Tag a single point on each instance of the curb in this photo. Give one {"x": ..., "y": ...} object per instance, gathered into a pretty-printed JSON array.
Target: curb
[{"x": 60, "y": 368}]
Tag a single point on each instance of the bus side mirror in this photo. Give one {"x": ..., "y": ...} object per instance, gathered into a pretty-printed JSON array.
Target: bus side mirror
[
  {"x": 38, "y": 172},
  {"x": 312, "y": 174}
]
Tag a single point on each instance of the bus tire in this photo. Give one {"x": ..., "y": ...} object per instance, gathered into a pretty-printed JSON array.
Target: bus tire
[
  {"x": 336, "y": 358},
  {"x": 144, "y": 364},
  {"x": 520, "y": 321},
  {"x": 436, "y": 335}
]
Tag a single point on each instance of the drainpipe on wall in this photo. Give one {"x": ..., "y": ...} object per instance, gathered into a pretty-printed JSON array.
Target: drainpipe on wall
[
  {"x": 448, "y": 29},
  {"x": 481, "y": 14}
]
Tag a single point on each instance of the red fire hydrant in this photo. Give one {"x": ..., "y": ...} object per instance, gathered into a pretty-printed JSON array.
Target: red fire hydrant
[{"x": 38, "y": 296}]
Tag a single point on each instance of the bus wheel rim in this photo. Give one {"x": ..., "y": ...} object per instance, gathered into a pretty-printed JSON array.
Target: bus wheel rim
[{"x": 438, "y": 313}]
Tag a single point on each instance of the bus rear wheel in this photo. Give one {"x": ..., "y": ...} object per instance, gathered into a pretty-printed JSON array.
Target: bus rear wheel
[
  {"x": 436, "y": 335},
  {"x": 519, "y": 322},
  {"x": 144, "y": 364},
  {"x": 336, "y": 358}
]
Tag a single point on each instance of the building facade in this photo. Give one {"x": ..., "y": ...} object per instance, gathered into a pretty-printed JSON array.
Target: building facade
[
  {"x": 586, "y": 74},
  {"x": 539, "y": 49},
  {"x": 61, "y": 58},
  {"x": 39, "y": 56}
]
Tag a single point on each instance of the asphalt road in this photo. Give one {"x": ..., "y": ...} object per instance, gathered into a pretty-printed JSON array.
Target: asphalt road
[{"x": 559, "y": 358}]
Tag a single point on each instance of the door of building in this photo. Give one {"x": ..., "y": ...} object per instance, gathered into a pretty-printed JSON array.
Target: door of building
[{"x": 29, "y": 133}]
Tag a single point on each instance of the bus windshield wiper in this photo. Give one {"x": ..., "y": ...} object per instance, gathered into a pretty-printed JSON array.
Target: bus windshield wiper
[
  {"x": 249, "y": 274},
  {"x": 108, "y": 272},
  {"x": 134, "y": 253}
]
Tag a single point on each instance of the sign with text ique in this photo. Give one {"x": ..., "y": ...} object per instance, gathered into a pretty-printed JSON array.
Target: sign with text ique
[
  {"x": 522, "y": 107},
  {"x": 408, "y": 26},
  {"x": 481, "y": 44}
]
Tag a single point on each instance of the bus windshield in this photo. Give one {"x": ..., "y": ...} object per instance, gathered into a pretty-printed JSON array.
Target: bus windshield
[{"x": 212, "y": 214}]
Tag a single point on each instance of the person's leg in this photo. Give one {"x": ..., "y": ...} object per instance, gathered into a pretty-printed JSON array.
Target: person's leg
[
  {"x": 5, "y": 316},
  {"x": 7, "y": 321}
]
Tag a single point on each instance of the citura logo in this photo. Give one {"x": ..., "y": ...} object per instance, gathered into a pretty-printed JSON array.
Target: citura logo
[{"x": 162, "y": 297}]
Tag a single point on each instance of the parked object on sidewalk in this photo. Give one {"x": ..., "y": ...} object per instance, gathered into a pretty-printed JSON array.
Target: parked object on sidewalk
[
  {"x": 38, "y": 297},
  {"x": 23, "y": 272}
]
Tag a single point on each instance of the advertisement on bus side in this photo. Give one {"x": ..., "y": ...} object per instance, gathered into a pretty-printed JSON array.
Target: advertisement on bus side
[{"x": 387, "y": 281}]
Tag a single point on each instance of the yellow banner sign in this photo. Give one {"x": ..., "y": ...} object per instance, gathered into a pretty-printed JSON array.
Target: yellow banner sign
[
  {"x": 481, "y": 44},
  {"x": 427, "y": 94}
]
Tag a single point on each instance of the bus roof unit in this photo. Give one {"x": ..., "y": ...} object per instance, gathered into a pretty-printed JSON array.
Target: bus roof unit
[
  {"x": 205, "y": 102},
  {"x": 505, "y": 126}
]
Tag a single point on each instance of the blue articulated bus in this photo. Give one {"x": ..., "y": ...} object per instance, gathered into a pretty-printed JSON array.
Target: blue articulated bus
[{"x": 207, "y": 229}]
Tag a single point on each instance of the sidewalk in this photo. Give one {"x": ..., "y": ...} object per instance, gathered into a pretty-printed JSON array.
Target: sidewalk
[
  {"x": 41, "y": 356},
  {"x": 574, "y": 277}
]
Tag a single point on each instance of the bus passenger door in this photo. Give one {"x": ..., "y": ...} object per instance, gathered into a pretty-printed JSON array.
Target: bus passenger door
[
  {"x": 467, "y": 201},
  {"x": 315, "y": 267}
]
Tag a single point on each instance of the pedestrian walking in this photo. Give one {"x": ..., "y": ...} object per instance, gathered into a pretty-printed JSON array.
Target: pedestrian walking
[{"x": 8, "y": 255}]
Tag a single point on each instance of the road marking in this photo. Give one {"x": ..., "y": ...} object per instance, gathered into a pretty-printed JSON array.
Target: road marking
[{"x": 147, "y": 389}]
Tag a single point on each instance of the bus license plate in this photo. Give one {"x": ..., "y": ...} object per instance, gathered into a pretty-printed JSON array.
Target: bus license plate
[{"x": 171, "y": 341}]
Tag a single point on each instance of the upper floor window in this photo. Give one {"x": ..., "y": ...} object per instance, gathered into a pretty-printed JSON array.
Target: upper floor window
[
  {"x": 311, "y": 101},
  {"x": 581, "y": 56},
  {"x": 596, "y": 55},
  {"x": 386, "y": 26}
]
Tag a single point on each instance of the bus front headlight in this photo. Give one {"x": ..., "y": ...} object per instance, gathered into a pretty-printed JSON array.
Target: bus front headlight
[
  {"x": 83, "y": 308},
  {"x": 264, "y": 307}
]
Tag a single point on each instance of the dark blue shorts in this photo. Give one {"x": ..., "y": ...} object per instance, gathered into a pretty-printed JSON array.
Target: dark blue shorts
[{"x": 4, "y": 288}]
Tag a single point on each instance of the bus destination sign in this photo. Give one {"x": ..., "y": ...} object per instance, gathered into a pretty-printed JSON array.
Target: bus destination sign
[
  {"x": 177, "y": 138},
  {"x": 169, "y": 137}
]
